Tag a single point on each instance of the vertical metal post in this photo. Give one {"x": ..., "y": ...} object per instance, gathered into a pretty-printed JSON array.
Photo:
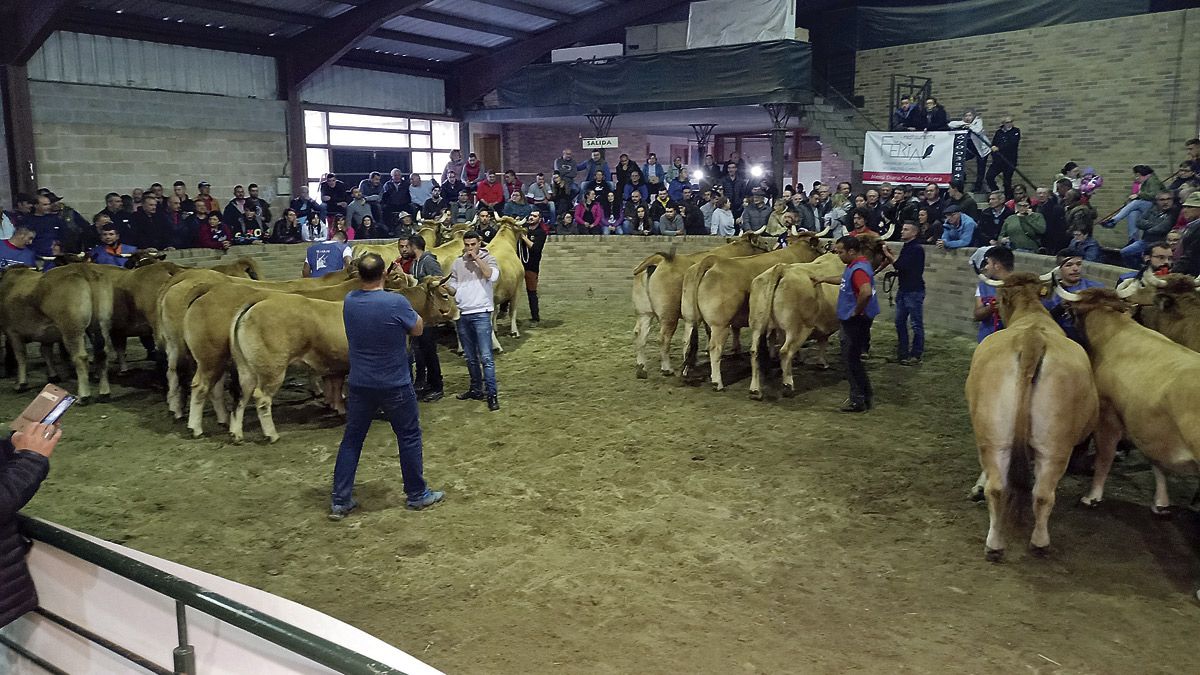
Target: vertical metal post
[
  {"x": 703, "y": 132},
  {"x": 781, "y": 114},
  {"x": 185, "y": 654}
]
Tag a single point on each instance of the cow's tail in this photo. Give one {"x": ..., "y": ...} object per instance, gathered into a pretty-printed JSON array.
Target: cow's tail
[
  {"x": 701, "y": 268},
  {"x": 1019, "y": 484},
  {"x": 245, "y": 375},
  {"x": 101, "y": 290},
  {"x": 762, "y": 308},
  {"x": 650, "y": 263}
]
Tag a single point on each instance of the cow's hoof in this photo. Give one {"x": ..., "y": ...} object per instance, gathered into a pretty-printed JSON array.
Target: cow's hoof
[
  {"x": 641, "y": 372},
  {"x": 788, "y": 391},
  {"x": 272, "y": 439},
  {"x": 1162, "y": 512},
  {"x": 977, "y": 493},
  {"x": 22, "y": 387},
  {"x": 197, "y": 433},
  {"x": 83, "y": 400},
  {"x": 666, "y": 373},
  {"x": 756, "y": 395},
  {"x": 717, "y": 387},
  {"x": 1040, "y": 551},
  {"x": 514, "y": 335},
  {"x": 54, "y": 379},
  {"x": 104, "y": 398},
  {"x": 1090, "y": 503},
  {"x": 994, "y": 554}
]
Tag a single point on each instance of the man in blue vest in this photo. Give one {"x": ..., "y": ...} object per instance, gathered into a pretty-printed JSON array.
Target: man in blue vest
[
  {"x": 324, "y": 257},
  {"x": 857, "y": 307},
  {"x": 111, "y": 251},
  {"x": 997, "y": 265}
]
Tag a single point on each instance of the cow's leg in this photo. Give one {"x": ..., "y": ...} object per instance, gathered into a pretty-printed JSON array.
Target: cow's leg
[
  {"x": 716, "y": 345},
  {"x": 201, "y": 389},
  {"x": 109, "y": 348},
  {"x": 976, "y": 493},
  {"x": 691, "y": 345},
  {"x": 1162, "y": 498},
  {"x": 247, "y": 382},
  {"x": 737, "y": 341},
  {"x": 1049, "y": 470},
  {"x": 77, "y": 349},
  {"x": 512, "y": 315},
  {"x": 18, "y": 349},
  {"x": 50, "y": 357},
  {"x": 264, "y": 393},
  {"x": 822, "y": 351},
  {"x": 120, "y": 343},
  {"x": 666, "y": 331},
  {"x": 336, "y": 385},
  {"x": 174, "y": 394},
  {"x": 787, "y": 356},
  {"x": 759, "y": 337},
  {"x": 1108, "y": 434},
  {"x": 995, "y": 466},
  {"x": 220, "y": 399},
  {"x": 641, "y": 333}
]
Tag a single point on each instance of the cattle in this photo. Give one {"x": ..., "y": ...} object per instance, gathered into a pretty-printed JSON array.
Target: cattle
[
  {"x": 785, "y": 301},
  {"x": 1149, "y": 387},
  {"x": 61, "y": 303},
  {"x": 1172, "y": 307},
  {"x": 1032, "y": 399},
  {"x": 716, "y": 291},
  {"x": 658, "y": 288},
  {"x": 268, "y": 336}
]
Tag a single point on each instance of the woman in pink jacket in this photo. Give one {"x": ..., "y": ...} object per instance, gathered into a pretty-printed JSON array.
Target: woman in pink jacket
[{"x": 589, "y": 215}]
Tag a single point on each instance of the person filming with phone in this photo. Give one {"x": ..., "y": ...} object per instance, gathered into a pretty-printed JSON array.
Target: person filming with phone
[{"x": 24, "y": 463}]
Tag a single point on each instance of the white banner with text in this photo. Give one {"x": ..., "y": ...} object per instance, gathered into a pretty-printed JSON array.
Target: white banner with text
[{"x": 914, "y": 157}]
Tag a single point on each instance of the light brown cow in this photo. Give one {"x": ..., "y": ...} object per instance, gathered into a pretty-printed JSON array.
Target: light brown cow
[
  {"x": 658, "y": 290},
  {"x": 1171, "y": 306},
  {"x": 23, "y": 322},
  {"x": 1149, "y": 388},
  {"x": 716, "y": 291},
  {"x": 1031, "y": 399},
  {"x": 267, "y": 337},
  {"x": 65, "y": 302}
]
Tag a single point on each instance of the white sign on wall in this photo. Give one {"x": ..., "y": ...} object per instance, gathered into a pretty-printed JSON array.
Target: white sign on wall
[
  {"x": 599, "y": 143},
  {"x": 914, "y": 157}
]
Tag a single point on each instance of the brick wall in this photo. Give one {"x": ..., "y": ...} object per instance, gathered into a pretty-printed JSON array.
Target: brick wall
[
  {"x": 91, "y": 140},
  {"x": 530, "y": 148},
  {"x": 1108, "y": 94}
]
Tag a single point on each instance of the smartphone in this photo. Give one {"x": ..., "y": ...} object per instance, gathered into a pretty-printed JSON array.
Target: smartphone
[{"x": 47, "y": 407}]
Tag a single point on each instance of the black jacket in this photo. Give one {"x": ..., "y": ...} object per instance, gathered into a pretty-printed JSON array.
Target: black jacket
[
  {"x": 1008, "y": 142},
  {"x": 936, "y": 120},
  {"x": 1189, "y": 262},
  {"x": 21, "y": 473}
]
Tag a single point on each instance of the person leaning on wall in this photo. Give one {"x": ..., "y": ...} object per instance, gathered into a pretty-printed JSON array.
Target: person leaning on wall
[{"x": 24, "y": 463}]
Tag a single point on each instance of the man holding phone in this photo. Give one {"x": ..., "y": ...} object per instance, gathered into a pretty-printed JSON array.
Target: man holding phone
[
  {"x": 24, "y": 463},
  {"x": 472, "y": 276}
]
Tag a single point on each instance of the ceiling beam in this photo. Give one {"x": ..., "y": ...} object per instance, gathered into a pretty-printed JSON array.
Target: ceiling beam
[
  {"x": 363, "y": 58},
  {"x": 469, "y": 24},
  {"x": 330, "y": 40},
  {"x": 154, "y": 30},
  {"x": 437, "y": 43},
  {"x": 247, "y": 9},
  {"x": 532, "y": 10},
  {"x": 480, "y": 75},
  {"x": 27, "y": 24}
]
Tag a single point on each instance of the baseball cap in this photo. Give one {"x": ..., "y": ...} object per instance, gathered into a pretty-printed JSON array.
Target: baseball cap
[
  {"x": 46, "y": 192},
  {"x": 204, "y": 184},
  {"x": 953, "y": 208},
  {"x": 1193, "y": 200}
]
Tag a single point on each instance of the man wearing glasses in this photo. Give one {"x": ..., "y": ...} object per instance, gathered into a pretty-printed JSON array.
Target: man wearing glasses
[{"x": 1004, "y": 156}]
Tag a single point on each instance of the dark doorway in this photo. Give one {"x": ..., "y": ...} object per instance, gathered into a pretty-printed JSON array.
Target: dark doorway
[{"x": 352, "y": 166}]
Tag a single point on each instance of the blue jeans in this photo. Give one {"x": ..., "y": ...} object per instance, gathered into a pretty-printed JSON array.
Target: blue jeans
[
  {"x": 1130, "y": 213},
  {"x": 400, "y": 406},
  {"x": 475, "y": 333},
  {"x": 910, "y": 306}
]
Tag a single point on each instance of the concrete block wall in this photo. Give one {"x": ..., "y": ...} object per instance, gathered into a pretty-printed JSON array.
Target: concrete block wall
[
  {"x": 91, "y": 140},
  {"x": 530, "y": 148},
  {"x": 1108, "y": 94}
]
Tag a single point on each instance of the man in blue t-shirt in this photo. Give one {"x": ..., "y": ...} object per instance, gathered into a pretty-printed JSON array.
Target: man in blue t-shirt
[
  {"x": 16, "y": 250},
  {"x": 111, "y": 251},
  {"x": 324, "y": 257},
  {"x": 1070, "y": 277},
  {"x": 997, "y": 265},
  {"x": 378, "y": 324}
]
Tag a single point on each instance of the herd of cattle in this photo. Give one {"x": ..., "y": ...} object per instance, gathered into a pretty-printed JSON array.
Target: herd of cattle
[
  {"x": 213, "y": 318},
  {"x": 1033, "y": 393}
]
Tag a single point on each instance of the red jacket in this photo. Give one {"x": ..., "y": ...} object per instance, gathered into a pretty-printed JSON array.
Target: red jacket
[
  {"x": 490, "y": 193},
  {"x": 206, "y": 238}
]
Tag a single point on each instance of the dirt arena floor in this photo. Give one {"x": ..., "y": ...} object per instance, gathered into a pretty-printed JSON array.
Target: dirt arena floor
[{"x": 603, "y": 524}]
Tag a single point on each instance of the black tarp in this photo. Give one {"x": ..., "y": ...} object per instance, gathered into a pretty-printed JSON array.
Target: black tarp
[{"x": 778, "y": 71}]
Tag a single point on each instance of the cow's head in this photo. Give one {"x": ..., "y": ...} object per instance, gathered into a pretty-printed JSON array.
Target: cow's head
[
  {"x": 1094, "y": 301},
  {"x": 1172, "y": 293},
  {"x": 142, "y": 258},
  {"x": 805, "y": 238},
  {"x": 1019, "y": 292},
  {"x": 758, "y": 241},
  {"x": 439, "y": 299},
  {"x": 872, "y": 247},
  {"x": 66, "y": 258}
]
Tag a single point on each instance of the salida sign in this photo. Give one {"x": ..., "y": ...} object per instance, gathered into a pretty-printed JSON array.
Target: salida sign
[
  {"x": 600, "y": 143},
  {"x": 914, "y": 157}
]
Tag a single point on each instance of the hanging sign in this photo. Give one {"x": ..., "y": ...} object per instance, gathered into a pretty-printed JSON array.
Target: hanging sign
[
  {"x": 914, "y": 157},
  {"x": 599, "y": 143}
]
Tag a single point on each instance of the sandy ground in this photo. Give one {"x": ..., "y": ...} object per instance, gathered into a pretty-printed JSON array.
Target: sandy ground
[{"x": 603, "y": 524}]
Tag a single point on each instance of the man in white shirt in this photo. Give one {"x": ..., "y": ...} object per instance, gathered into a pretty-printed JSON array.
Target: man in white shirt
[{"x": 472, "y": 277}]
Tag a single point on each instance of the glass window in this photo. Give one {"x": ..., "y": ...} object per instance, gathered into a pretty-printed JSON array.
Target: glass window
[
  {"x": 368, "y": 121},
  {"x": 422, "y": 163},
  {"x": 318, "y": 162},
  {"x": 367, "y": 139},
  {"x": 445, "y": 135},
  {"x": 314, "y": 191},
  {"x": 440, "y": 159},
  {"x": 419, "y": 140},
  {"x": 315, "y": 132},
  {"x": 420, "y": 125}
]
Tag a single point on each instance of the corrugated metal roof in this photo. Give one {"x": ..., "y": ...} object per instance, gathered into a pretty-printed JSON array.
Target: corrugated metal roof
[
  {"x": 437, "y": 30},
  {"x": 192, "y": 16},
  {"x": 575, "y": 7},
  {"x": 408, "y": 49},
  {"x": 314, "y": 7},
  {"x": 470, "y": 9}
]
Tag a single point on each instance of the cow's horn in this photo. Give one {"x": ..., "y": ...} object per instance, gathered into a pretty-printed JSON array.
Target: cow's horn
[
  {"x": 1127, "y": 291},
  {"x": 1066, "y": 295},
  {"x": 825, "y": 231},
  {"x": 1198, "y": 284},
  {"x": 1149, "y": 279},
  {"x": 991, "y": 282},
  {"x": 890, "y": 231},
  {"x": 1049, "y": 276},
  {"x": 47, "y": 258},
  {"x": 1131, "y": 281}
]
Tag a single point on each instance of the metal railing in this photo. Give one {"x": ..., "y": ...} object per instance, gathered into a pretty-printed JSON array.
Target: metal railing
[
  {"x": 187, "y": 594},
  {"x": 916, "y": 88}
]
